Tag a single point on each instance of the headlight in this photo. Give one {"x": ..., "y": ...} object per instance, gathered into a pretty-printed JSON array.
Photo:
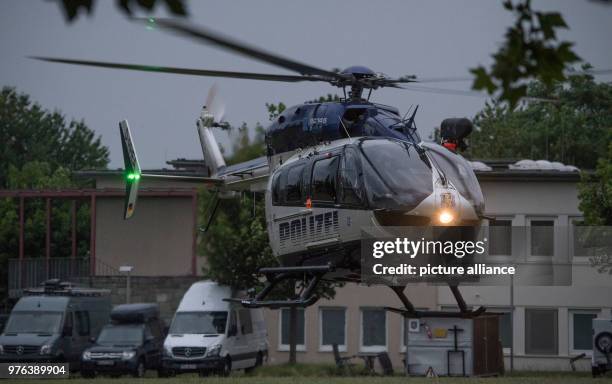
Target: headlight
[
  {"x": 45, "y": 349},
  {"x": 215, "y": 350},
  {"x": 126, "y": 355},
  {"x": 446, "y": 217},
  {"x": 167, "y": 351},
  {"x": 86, "y": 355}
]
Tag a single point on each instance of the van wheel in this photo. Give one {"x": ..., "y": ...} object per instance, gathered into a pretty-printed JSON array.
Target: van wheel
[
  {"x": 258, "y": 363},
  {"x": 227, "y": 367},
  {"x": 140, "y": 369}
]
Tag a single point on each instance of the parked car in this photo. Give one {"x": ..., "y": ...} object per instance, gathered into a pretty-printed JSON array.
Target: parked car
[
  {"x": 211, "y": 335},
  {"x": 130, "y": 344},
  {"x": 55, "y": 322}
]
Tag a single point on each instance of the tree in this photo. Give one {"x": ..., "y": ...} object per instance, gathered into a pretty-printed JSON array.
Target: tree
[
  {"x": 574, "y": 130},
  {"x": 30, "y": 133},
  {"x": 39, "y": 150},
  {"x": 595, "y": 194},
  {"x": 530, "y": 51}
]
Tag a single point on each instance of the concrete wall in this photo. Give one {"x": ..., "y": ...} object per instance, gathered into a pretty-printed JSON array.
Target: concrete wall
[
  {"x": 167, "y": 291},
  {"x": 157, "y": 240}
]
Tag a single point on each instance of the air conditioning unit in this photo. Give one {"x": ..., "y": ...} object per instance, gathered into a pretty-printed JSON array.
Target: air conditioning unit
[{"x": 602, "y": 346}]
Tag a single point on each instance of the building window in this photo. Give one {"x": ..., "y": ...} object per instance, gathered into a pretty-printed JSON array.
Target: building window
[
  {"x": 579, "y": 237},
  {"x": 500, "y": 237},
  {"x": 324, "y": 180},
  {"x": 541, "y": 332},
  {"x": 333, "y": 328},
  {"x": 542, "y": 237},
  {"x": 505, "y": 329},
  {"x": 373, "y": 330},
  {"x": 581, "y": 330},
  {"x": 285, "y": 316}
]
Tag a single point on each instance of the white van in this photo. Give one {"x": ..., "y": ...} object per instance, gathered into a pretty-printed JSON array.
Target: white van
[{"x": 210, "y": 335}]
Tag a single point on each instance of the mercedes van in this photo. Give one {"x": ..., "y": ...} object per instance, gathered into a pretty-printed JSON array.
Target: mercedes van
[
  {"x": 55, "y": 322},
  {"x": 210, "y": 335}
]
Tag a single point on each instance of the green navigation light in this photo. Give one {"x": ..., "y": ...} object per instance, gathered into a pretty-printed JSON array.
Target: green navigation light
[{"x": 133, "y": 176}]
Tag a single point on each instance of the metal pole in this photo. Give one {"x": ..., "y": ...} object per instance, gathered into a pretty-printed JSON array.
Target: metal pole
[
  {"x": 48, "y": 238},
  {"x": 512, "y": 323},
  {"x": 128, "y": 288}
]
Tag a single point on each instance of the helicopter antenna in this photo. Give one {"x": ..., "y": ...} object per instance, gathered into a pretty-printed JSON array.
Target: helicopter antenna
[
  {"x": 411, "y": 120},
  {"x": 344, "y": 126},
  {"x": 407, "y": 112}
]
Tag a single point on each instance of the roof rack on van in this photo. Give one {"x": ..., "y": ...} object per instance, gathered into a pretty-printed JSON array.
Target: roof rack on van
[{"x": 56, "y": 287}]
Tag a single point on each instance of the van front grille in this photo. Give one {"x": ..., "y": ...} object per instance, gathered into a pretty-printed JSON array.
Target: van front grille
[
  {"x": 21, "y": 349},
  {"x": 189, "y": 351}
]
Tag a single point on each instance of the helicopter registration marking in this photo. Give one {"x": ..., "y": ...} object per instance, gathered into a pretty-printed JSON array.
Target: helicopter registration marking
[{"x": 311, "y": 228}]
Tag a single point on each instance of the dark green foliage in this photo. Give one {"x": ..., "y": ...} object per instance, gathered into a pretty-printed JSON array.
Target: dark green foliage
[
  {"x": 30, "y": 133},
  {"x": 72, "y": 8},
  {"x": 530, "y": 51},
  {"x": 573, "y": 130}
]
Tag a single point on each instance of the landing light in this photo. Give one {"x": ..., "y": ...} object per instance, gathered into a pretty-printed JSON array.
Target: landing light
[{"x": 445, "y": 217}]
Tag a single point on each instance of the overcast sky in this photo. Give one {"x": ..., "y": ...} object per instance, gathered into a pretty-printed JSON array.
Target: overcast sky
[{"x": 426, "y": 38}]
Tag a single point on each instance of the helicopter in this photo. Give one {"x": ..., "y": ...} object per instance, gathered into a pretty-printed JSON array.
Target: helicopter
[{"x": 330, "y": 168}]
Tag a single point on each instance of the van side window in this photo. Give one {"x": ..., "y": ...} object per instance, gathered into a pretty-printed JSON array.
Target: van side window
[
  {"x": 82, "y": 323},
  {"x": 232, "y": 322},
  {"x": 68, "y": 323},
  {"x": 324, "y": 179},
  {"x": 246, "y": 325},
  {"x": 294, "y": 184}
]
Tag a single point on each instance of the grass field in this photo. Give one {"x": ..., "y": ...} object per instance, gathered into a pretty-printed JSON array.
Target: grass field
[{"x": 327, "y": 374}]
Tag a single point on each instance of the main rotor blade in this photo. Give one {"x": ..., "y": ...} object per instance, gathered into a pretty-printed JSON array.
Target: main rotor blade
[
  {"x": 182, "y": 71},
  {"x": 236, "y": 46},
  {"x": 459, "y": 92}
]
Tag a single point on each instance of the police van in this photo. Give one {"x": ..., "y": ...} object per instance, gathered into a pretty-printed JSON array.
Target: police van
[
  {"x": 210, "y": 335},
  {"x": 54, "y": 322}
]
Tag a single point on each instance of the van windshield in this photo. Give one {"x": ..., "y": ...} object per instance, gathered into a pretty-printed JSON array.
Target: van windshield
[
  {"x": 207, "y": 322},
  {"x": 34, "y": 322},
  {"x": 121, "y": 335}
]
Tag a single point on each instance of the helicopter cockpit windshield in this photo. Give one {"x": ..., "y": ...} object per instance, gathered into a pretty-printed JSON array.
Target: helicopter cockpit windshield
[
  {"x": 396, "y": 175},
  {"x": 375, "y": 122}
]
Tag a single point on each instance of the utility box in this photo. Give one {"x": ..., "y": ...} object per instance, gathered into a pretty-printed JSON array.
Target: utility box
[
  {"x": 602, "y": 346},
  {"x": 446, "y": 346}
]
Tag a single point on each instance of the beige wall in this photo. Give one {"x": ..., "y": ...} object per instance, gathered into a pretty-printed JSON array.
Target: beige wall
[
  {"x": 157, "y": 240},
  {"x": 353, "y": 297}
]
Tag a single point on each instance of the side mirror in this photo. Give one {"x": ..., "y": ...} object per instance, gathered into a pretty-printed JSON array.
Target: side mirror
[{"x": 67, "y": 331}]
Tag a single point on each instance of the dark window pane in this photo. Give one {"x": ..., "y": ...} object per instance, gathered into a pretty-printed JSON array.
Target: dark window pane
[
  {"x": 351, "y": 191},
  {"x": 276, "y": 192},
  {"x": 285, "y": 320},
  {"x": 583, "y": 328},
  {"x": 505, "y": 329},
  {"x": 374, "y": 327},
  {"x": 542, "y": 238},
  {"x": 332, "y": 326},
  {"x": 324, "y": 179},
  {"x": 246, "y": 326},
  {"x": 294, "y": 184},
  {"x": 500, "y": 237},
  {"x": 541, "y": 331}
]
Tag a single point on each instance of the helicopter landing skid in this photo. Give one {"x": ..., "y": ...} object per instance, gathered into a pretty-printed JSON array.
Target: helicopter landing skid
[
  {"x": 410, "y": 311},
  {"x": 312, "y": 274}
]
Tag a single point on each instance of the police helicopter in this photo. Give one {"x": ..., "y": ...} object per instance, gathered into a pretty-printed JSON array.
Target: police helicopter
[{"x": 330, "y": 169}]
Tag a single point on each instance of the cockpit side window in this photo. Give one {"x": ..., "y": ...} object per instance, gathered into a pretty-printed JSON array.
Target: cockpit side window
[
  {"x": 350, "y": 183},
  {"x": 276, "y": 189},
  {"x": 294, "y": 184},
  {"x": 323, "y": 181}
]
